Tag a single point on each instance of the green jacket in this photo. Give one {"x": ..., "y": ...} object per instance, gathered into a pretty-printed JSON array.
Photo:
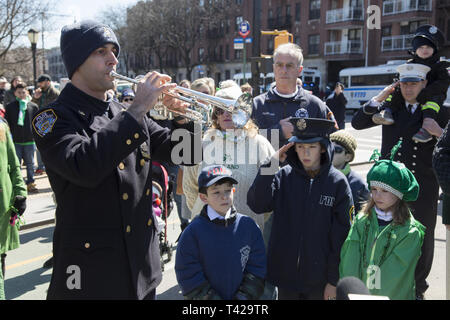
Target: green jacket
[
  {"x": 387, "y": 268},
  {"x": 11, "y": 185}
]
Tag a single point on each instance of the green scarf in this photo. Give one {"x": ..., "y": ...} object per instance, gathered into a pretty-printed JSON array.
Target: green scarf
[
  {"x": 22, "y": 110},
  {"x": 346, "y": 170}
]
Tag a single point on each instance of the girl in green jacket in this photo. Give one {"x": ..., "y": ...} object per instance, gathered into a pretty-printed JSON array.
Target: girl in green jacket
[
  {"x": 384, "y": 242},
  {"x": 13, "y": 194}
]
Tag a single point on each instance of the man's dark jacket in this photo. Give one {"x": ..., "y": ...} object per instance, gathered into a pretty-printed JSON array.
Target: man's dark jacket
[
  {"x": 269, "y": 108},
  {"x": 20, "y": 134},
  {"x": 98, "y": 161}
]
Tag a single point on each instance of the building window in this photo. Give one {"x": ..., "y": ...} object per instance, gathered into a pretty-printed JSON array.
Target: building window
[
  {"x": 201, "y": 54},
  {"x": 354, "y": 34},
  {"x": 297, "y": 11},
  {"x": 313, "y": 44},
  {"x": 238, "y": 54},
  {"x": 227, "y": 75},
  {"x": 227, "y": 52},
  {"x": 386, "y": 31},
  {"x": 314, "y": 9},
  {"x": 238, "y": 2}
]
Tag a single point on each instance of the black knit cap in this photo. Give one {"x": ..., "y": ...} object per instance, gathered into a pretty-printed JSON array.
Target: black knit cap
[
  {"x": 80, "y": 39},
  {"x": 428, "y": 35}
]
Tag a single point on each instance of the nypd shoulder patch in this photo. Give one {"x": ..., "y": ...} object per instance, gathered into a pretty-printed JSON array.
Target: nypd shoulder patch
[{"x": 43, "y": 122}]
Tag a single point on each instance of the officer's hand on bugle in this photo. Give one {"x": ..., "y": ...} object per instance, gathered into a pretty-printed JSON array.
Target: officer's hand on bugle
[{"x": 150, "y": 88}]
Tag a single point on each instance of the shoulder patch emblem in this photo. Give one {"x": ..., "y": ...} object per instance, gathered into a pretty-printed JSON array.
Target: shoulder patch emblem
[{"x": 43, "y": 122}]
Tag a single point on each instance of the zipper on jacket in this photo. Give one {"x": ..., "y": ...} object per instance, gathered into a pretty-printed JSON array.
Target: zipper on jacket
[{"x": 301, "y": 239}]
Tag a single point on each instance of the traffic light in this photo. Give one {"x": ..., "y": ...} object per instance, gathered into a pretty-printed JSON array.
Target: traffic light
[{"x": 283, "y": 38}]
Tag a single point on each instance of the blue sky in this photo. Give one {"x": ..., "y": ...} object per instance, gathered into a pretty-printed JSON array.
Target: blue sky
[{"x": 81, "y": 9}]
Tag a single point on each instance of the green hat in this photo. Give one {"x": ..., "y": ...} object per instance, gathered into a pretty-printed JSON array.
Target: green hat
[{"x": 393, "y": 177}]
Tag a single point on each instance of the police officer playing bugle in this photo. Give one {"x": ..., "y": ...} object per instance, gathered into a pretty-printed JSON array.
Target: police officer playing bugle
[{"x": 98, "y": 159}]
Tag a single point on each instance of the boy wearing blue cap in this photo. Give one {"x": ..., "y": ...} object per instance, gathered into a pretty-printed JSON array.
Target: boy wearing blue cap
[
  {"x": 312, "y": 208},
  {"x": 221, "y": 254}
]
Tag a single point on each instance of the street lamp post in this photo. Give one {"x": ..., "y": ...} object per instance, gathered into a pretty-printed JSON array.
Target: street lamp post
[{"x": 33, "y": 36}]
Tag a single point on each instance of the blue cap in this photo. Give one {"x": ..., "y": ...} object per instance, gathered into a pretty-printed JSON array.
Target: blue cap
[{"x": 212, "y": 174}]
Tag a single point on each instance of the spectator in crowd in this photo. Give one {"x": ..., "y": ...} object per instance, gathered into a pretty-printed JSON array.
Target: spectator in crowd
[{"x": 19, "y": 114}]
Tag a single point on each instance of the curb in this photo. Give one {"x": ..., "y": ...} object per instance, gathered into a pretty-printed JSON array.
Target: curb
[{"x": 37, "y": 224}]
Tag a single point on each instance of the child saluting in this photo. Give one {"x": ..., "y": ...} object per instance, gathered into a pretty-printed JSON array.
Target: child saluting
[
  {"x": 312, "y": 207},
  {"x": 384, "y": 243}
]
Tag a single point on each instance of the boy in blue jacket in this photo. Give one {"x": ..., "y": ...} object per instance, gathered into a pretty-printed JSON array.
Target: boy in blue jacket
[
  {"x": 221, "y": 254},
  {"x": 312, "y": 207}
]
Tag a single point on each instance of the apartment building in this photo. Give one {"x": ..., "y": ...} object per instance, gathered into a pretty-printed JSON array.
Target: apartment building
[{"x": 332, "y": 33}]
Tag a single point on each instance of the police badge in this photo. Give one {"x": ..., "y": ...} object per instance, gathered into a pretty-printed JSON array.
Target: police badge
[
  {"x": 43, "y": 123},
  {"x": 301, "y": 124},
  {"x": 302, "y": 113}
]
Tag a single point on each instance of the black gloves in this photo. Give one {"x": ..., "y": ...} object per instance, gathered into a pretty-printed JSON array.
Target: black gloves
[
  {"x": 251, "y": 288},
  {"x": 203, "y": 292},
  {"x": 20, "y": 205}
]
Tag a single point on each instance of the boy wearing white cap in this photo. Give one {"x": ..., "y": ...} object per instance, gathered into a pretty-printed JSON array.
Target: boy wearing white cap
[{"x": 425, "y": 45}]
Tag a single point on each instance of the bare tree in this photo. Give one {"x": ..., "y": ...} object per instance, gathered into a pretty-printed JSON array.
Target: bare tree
[
  {"x": 16, "y": 17},
  {"x": 116, "y": 18}
]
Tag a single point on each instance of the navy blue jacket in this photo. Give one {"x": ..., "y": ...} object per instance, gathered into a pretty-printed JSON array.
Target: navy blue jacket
[
  {"x": 311, "y": 219},
  {"x": 360, "y": 192},
  {"x": 219, "y": 254},
  {"x": 269, "y": 108}
]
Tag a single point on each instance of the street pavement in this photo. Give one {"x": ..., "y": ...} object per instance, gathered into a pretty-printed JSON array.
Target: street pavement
[{"x": 27, "y": 280}]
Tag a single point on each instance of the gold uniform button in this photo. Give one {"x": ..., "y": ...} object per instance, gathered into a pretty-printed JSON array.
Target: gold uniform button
[
  {"x": 125, "y": 196},
  {"x": 121, "y": 166},
  {"x": 128, "y": 142},
  {"x": 87, "y": 245},
  {"x": 148, "y": 192},
  {"x": 128, "y": 229},
  {"x": 142, "y": 162},
  {"x": 136, "y": 135},
  {"x": 149, "y": 223}
]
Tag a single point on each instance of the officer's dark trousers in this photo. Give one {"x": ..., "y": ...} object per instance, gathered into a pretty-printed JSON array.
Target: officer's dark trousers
[{"x": 425, "y": 211}]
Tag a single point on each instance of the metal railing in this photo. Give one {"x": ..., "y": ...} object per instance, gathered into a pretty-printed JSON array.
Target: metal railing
[
  {"x": 401, "y": 6},
  {"x": 393, "y": 43},
  {"x": 343, "y": 47},
  {"x": 345, "y": 14}
]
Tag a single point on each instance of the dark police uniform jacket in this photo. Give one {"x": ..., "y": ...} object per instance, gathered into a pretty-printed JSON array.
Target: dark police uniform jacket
[
  {"x": 269, "y": 108},
  {"x": 97, "y": 158},
  {"x": 415, "y": 156}
]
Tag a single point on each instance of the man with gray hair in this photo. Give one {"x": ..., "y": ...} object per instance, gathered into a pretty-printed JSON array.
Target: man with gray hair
[{"x": 272, "y": 110}]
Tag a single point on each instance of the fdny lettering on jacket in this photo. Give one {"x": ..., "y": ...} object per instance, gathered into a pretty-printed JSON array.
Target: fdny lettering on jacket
[{"x": 326, "y": 200}]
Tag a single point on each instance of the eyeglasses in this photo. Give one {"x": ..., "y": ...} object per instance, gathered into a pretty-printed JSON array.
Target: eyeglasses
[
  {"x": 128, "y": 99},
  {"x": 338, "y": 149}
]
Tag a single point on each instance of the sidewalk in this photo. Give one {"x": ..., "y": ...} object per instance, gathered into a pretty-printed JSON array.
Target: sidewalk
[{"x": 40, "y": 206}]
